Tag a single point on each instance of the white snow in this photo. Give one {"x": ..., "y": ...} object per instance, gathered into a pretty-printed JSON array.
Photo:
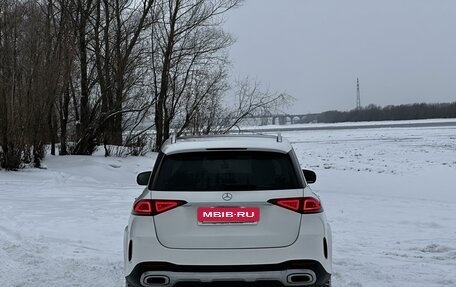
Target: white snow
[
  {"x": 389, "y": 194},
  {"x": 63, "y": 226},
  {"x": 288, "y": 125}
]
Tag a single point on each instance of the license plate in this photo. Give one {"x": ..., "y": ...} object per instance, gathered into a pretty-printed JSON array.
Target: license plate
[{"x": 221, "y": 215}]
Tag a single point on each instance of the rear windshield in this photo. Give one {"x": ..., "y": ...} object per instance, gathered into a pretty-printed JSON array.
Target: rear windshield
[{"x": 226, "y": 170}]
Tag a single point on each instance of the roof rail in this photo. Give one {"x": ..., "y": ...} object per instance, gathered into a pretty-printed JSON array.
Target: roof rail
[
  {"x": 173, "y": 138},
  {"x": 279, "y": 138}
]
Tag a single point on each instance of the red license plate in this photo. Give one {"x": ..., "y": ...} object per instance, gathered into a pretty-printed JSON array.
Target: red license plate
[{"x": 228, "y": 214}]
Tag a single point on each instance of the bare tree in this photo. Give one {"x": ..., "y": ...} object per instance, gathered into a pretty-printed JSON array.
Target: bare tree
[
  {"x": 253, "y": 100},
  {"x": 187, "y": 43},
  {"x": 67, "y": 51},
  {"x": 111, "y": 53},
  {"x": 81, "y": 72},
  {"x": 86, "y": 138},
  {"x": 119, "y": 56},
  {"x": 25, "y": 84},
  {"x": 246, "y": 100}
]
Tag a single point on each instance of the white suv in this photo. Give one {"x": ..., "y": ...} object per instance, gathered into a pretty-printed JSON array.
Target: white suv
[{"x": 227, "y": 209}]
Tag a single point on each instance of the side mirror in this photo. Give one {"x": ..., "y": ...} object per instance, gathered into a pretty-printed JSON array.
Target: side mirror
[
  {"x": 310, "y": 176},
  {"x": 143, "y": 178}
]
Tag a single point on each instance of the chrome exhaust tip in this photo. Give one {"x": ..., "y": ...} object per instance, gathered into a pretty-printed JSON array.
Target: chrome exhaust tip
[
  {"x": 154, "y": 280},
  {"x": 301, "y": 278}
]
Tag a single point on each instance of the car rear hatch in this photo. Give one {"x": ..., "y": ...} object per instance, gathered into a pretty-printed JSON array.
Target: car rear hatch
[
  {"x": 273, "y": 227},
  {"x": 226, "y": 196}
]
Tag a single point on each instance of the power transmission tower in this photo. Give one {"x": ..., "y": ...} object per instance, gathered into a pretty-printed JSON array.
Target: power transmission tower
[{"x": 358, "y": 95}]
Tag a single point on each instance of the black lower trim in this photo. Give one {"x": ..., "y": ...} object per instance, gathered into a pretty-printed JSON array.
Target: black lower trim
[
  {"x": 231, "y": 284},
  {"x": 134, "y": 277}
]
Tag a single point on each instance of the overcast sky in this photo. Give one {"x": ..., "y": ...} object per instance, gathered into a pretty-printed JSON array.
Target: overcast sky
[{"x": 403, "y": 51}]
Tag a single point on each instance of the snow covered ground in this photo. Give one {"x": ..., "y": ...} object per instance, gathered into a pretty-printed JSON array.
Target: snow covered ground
[
  {"x": 448, "y": 121},
  {"x": 389, "y": 193},
  {"x": 390, "y": 196}
]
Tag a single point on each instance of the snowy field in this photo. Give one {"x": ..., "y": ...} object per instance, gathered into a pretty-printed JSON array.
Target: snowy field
[
  {"x": 389, "y": 194},
  {"x": 344, "y": 125}
]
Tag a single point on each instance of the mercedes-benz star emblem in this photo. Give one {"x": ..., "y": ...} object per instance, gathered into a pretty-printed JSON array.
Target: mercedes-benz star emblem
[{"x": 227, "y": 196}]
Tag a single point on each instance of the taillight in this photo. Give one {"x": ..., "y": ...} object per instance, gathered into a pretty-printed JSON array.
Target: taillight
[
  {"x": 304, "y": 205},
  {"x": 153, "y": 207}
]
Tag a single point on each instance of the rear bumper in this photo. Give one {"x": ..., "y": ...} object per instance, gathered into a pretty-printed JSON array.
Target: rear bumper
[
  {"x": 144, "y": 253},
  {"x": 290, "y": 273},
  {"x": 142, "y": 245}
]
